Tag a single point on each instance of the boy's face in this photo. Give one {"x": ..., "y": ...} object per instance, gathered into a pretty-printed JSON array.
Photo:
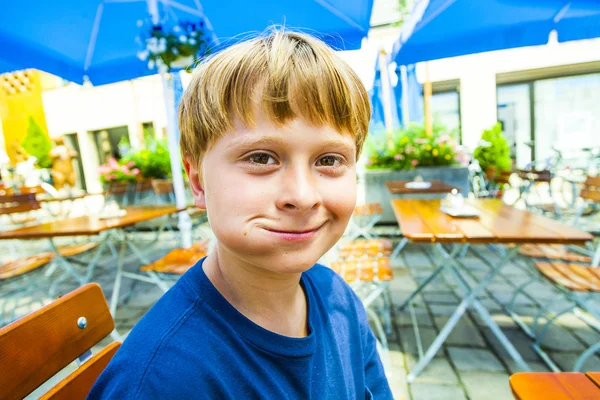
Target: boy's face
[{"x": 278, "y": 197}]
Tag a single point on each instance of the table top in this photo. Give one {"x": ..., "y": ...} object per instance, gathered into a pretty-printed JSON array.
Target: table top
[
  {"x": 399, "y": 187},
  {"x": 423, "y": 221},
  {"x": 89, "y": 225},
  {"x": 556, "y": 386}
]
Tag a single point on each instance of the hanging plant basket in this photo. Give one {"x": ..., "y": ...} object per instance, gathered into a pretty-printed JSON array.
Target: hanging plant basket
[
  {"x": 183, "y": 62},
  {"x": 172, "y": 46}
]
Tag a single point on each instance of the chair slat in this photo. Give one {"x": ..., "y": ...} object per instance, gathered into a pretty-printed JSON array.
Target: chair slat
[
  {"x": 592, "y": 181},
  {"x": 590, "y": 194},
  {"x": 18, "y": 203},
  {"x": 37, "y": 346},
  {"x": 79, "y": 383}
]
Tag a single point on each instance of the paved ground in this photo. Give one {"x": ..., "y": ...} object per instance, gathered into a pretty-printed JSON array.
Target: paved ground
[{"x": 471, "y": 365}]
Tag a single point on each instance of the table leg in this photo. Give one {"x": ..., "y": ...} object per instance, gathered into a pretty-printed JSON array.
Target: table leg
[
  {"x": 470, "y": 299},
  {"x": 485, "y": 315},
  {"x": 66, "y": 264},
  {"x": 117, "y": 285}
]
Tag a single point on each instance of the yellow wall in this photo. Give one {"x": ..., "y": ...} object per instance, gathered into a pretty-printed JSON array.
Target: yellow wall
[{"x": 20, "y": 98}]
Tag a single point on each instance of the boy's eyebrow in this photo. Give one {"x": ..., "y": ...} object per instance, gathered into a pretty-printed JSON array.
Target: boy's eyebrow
[{"x": 247, "y": 141}]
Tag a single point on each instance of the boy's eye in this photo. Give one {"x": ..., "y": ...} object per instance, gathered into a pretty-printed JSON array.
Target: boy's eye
[
  {"x": 328, "y": 161},
  {"x": 261, "y": 158}
]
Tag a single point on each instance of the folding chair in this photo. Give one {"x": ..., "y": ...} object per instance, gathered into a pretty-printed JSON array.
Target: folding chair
[
  {"x": 365, "y": 265},
  {"x": 177, "y": 262},
  {"x": 37, "y": 346},
  {"x": 363, "y": 220},
  {"x": 589, "y": 198},
  {"x": 579, "y": 284}
]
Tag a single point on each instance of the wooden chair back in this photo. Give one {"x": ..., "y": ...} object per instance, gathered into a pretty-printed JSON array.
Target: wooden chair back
[
  {"x": 591, "y": 189},
  {"x": 18, "y": 203},
  {"x": 535, "y": 175},
  {"x": 37, "y": 346},
  {"x": 32, "y": 189}
]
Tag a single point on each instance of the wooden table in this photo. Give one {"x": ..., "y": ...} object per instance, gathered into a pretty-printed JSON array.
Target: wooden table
[
  {"x": 399, "y": 187},
  {"x": 555, "y": 386},
  {"x": 423, "y": 221},
  {"x": 107, "y": 228},
  {"x": 89, "y": 225}
]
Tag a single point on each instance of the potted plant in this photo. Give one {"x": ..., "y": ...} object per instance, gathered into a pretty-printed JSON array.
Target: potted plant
[
  {"x": 408, "y": 153},
  {"x": 493, "y": 153}
]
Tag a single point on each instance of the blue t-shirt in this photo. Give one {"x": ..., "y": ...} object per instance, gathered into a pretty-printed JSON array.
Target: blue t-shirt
[{"x": 193, "y": 344}]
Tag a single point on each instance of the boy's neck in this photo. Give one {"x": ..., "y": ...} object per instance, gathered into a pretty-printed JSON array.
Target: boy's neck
[{"x": 273, "y": 301}]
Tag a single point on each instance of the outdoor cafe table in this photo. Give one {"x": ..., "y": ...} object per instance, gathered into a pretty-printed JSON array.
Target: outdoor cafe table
[
  {"x": 399, "y": 187},
  {"x": 555, "y": 385},
  {"x": 422, "y": 221},
  {"x": 111, "y": 230}
]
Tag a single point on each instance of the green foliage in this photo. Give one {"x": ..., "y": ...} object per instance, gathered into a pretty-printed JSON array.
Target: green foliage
[
  {"x": 495, "y": 151},
  {"x": 412, "y": 147},
  {"x": 153, "y": 162},
  {"x": 38, "y": 144}
]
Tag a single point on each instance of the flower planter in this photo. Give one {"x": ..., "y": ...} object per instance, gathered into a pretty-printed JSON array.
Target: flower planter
[{"x": 373, "y": 184}]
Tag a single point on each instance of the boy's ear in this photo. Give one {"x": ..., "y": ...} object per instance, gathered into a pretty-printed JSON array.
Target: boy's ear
[{"x": 195, "y": 183}]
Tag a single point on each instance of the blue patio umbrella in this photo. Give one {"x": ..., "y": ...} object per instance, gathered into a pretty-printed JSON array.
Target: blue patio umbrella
[
  {"x": 97, "y": 38},
  {"x": 447, "y": 28},
  {"x": 413, "y": 90},
  {"x": 379, "y": 102},
  {"x": 377, "y": 123}
]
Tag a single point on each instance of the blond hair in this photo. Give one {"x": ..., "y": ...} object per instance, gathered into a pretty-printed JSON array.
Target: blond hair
[{"x": 291, "y": 75}]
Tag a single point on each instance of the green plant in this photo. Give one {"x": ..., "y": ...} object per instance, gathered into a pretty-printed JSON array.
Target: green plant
[
  {"x": 412, "y": 147},
  {"x": 38, "y": 144},
  {"x": 153, "y": 162},
  {"x": 493, "y": 150}
]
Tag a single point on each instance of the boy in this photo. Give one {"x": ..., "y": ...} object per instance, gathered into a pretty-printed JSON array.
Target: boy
[{"x": 270, "y": 132}]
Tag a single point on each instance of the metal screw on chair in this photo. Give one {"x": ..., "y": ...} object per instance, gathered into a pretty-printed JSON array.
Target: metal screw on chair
[{"x": 82, "y": 322}]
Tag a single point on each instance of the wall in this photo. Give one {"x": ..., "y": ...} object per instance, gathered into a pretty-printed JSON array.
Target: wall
[
  {"x": 83, "y": 109},
  {"x": 477, "y": 75}
]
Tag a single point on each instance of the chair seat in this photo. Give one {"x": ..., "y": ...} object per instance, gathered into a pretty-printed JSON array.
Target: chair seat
[
  {"x": 366, "y": 248},
  {"x": 575, "y": 277},
  {"x": 23, "y": 265},
  {"x": 556, "y": 386},
  {"x": 367, "y": 270},
  {"x": 178, "y": 261},
  {"x": 368, "y": 209},
  {"x": 76, "y": 249},
  {"x": 552, "y": 251}
]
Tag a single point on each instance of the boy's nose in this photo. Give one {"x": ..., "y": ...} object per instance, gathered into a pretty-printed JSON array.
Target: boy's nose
[{"x": 298, "y": 191}]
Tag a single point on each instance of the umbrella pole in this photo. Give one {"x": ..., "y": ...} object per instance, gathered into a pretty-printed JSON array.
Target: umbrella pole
[
  {"x": 427, "y": 92},
  {"x": 185, "y": 224}
]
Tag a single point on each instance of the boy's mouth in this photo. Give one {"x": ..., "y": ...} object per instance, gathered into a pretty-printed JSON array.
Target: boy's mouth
[{"x": 294, "y": 234}]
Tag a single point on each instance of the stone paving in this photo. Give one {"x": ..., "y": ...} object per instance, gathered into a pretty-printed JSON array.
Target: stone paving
[{"x": 471, "y": 365}]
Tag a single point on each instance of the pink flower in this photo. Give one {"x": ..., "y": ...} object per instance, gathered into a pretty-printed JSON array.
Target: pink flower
[
  {"x": 444, "y": 139},
  {"x": 369, "y": 162},
  {"x": 135, "y": 171},
  {"x": 414, "y": 163},
  {"x": 103, "y": 169},
  {"x": 421, "y": 141},
  {"x": 112, "y": 163},
  {"x": 112, "y": 177},
  {"x": 130, "y": 164},
  {"x": 398, "y": 157}
]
